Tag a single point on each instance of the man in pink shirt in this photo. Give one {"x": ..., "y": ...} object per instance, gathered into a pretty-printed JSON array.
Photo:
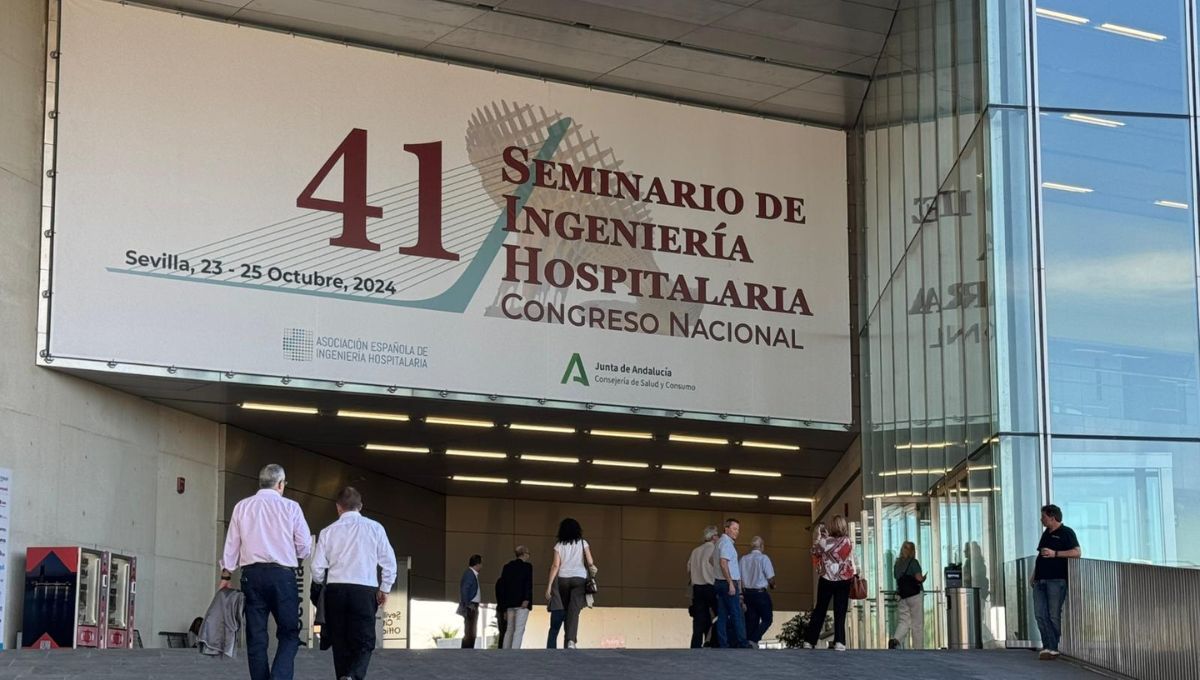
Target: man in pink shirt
[{"x": 267, "y": 538}]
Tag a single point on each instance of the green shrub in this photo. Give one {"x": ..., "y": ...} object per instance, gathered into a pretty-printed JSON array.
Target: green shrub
[{"x": 792, "y": 633}]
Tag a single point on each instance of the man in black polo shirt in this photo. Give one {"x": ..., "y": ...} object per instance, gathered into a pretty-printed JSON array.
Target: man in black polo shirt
[{"x": 1049, "y": 578}]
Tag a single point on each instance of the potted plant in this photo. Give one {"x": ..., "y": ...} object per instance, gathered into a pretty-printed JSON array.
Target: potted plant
[
  {"x": 447, "y": 638},
  {"x": 792, "y": 632}
]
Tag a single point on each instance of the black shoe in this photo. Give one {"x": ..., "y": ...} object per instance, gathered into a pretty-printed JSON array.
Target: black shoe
[{"x": 893, "y": 643}]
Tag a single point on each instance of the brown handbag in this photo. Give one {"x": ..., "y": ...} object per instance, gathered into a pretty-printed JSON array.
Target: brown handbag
[{"x": 858, "y": 588}]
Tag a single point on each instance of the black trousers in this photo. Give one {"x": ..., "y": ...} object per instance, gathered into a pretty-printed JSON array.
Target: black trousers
[
  {"x": 704, "y": 608},
  {"x": 839, "y": 592},
  {"x": 501, "y": 627},
  {"x": 574, "y": 601},
  {"x": 470, "y": 619},
  {"x": 350, "y": 627}
]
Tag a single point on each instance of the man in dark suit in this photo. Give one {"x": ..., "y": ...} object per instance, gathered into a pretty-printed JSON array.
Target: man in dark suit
[
  {"x": 469, "y": 597},
  {"x": 514, "y": 595}
]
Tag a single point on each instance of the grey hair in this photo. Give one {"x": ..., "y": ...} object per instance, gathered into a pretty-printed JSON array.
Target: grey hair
[
  {"x": 710, "y": 531},
  {"x": 270, "y": 476},
  {"x": 756, "y": 543},
  {"x": 521, "y": 550}
]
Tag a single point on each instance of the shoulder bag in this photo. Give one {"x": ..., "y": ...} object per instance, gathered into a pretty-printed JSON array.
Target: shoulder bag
[
  {"x": 589, "y": 585},
  {"x": 858, "y": 585}
]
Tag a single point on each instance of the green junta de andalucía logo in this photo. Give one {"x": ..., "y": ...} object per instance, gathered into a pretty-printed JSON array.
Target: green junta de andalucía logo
[{"x": 575, "y": 371}]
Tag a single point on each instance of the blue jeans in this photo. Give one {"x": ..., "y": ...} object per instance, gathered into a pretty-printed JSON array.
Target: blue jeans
[
  {"x": 557, "y": 617},
  {"x": 730, "y": 623},
  {"x": 271, "y": 589},
  {"x": 759, "y": 614},
  {"x": 1048, "y": 598}
]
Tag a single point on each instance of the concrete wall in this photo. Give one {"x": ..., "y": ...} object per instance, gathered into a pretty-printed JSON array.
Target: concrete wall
[
  {"x": 600, "y": 627},
  {"x": 415, "y": 518},
  {"x": 91, "y": 466},
  {"x": 842, "y": 491},
  {"x": 641, "y": 552}
]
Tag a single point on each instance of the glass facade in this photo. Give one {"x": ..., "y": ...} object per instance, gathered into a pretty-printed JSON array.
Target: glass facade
[
  {"x": 1117, "y": 150},
  {"x": 1028, "y": 297}
]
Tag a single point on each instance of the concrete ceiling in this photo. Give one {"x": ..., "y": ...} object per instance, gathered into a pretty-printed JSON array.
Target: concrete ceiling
[
  {"x": 802, "y": 470},
  {"x": 803, "y": 60}
]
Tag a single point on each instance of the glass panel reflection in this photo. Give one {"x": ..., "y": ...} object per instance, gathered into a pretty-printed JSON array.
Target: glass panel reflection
[
  {"x": 1131, "y": 501},
  {"x": 1113, "y": 55},
  {"x": 1120, "y": 275}
]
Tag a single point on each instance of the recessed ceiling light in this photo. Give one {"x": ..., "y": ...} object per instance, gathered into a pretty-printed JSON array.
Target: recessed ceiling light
[
  {"x": 535, "y": 482},
  {"x": 482, "y": 480},
  {"x": 397, "y": 449},
  {"x": 691, "y": 439},
  {"x": 727, "y": 494},
  {"x": 1132, "y": 32},
  {"x": 548, "y": 459},
  {"x": 619, "y": 463},
  {"x": 1061, "y": 16},
  {"x": 676, "y": 492},
  {"x": 688, "y": 468},
  {"x": 790, "y": 499},
  {"x": 1069, "y": 188},
  {"x": 755, "y": 473},
  {"x": 622, "y": 434},
  {"x": 1172, "y": 204},
  {"x": 370, "y": 415},
  {"x": 465, "y": 453},
  {"x": 1093, "y": 120},
  {"x": 278, "y": 408},
  {"x": 922, "y": 471},
  {"x": 460, "y": 422},
  {"x": 542, "y": 428},
  {"x": 609, "y": 487},
  {"x": 770, "y": 445}
]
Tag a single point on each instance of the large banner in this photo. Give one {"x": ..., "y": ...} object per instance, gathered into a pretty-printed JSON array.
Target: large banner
[{"x": 238, "y": 200}]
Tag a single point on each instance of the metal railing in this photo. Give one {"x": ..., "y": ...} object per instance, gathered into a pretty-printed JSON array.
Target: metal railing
[{"x": 1137, "y": 620}]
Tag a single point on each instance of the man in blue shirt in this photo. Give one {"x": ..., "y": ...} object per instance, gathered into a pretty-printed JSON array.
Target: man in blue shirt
[
  {"x": 731, "y": 626},
  {"x": 758, "y": 577}
]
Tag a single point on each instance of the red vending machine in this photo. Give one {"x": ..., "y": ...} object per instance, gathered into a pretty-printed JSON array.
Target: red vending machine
[
  {"x": 122, "y": 587},
  {"x": 65, "y": 598}
]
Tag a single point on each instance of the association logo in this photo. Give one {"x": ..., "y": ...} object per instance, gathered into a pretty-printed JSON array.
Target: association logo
[
  {"x": 298, "y": 344},
  {"x": 575, "y": 371}
]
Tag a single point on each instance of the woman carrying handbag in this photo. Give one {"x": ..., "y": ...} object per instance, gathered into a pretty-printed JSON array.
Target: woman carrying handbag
[
  {"x": 833, "y": 550},
  {"x": 570, "y": 573}
]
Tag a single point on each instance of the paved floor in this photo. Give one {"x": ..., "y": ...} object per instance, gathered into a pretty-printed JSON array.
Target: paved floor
[{"x": 577, "y": 664}]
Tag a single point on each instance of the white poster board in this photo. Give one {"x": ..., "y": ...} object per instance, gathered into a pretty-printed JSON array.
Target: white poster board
[{"x": 244, "y": 201}]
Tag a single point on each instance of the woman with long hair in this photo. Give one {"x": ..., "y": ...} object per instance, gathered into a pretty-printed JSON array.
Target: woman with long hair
[
  {"x": 910, "y": 610},
  {"x": 569, "y": 572},
  {"x": 833, "y": 548}
]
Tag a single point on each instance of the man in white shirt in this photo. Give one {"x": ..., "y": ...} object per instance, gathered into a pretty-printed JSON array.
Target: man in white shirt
[
  {"x": 701, "y": 574},
  {"x": 266, "y": 539},
  {"x": 758, "y": 576},
  {"x": 356, "y": 563},
  {"x": 731, "y": 625}
]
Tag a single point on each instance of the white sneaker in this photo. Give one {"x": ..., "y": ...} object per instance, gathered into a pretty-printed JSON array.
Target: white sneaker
[
  {"x": 839, "y": 647},
  {"x": 570, "y": 645},
  {"x": 805, "y": 645}
]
